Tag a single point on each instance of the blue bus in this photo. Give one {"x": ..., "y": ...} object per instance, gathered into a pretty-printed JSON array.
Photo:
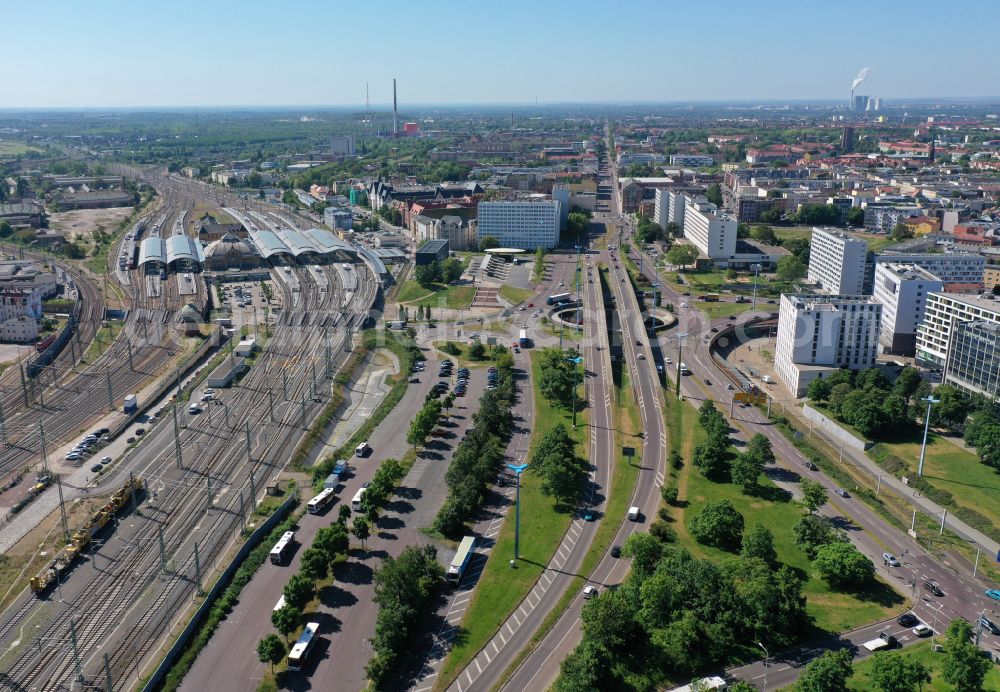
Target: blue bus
[{"x": 558, "y": 298}]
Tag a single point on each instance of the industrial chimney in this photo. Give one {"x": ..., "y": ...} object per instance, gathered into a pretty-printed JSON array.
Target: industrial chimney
[{"x": 395, "y": 127}]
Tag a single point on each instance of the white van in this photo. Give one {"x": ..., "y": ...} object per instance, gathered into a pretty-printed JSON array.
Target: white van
[
  {"x": 633, "y": 513},
  {"x": 767, "y": 379},
  {"x": 362, "y": 450}
]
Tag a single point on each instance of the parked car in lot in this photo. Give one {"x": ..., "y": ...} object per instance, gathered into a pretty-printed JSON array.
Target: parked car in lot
[{"x": 95, "y": 468}]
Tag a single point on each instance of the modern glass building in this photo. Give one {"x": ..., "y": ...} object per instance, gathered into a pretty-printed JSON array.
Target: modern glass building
[{"x": 974, "y": 358}]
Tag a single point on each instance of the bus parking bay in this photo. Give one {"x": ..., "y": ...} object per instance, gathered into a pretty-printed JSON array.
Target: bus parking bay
[{"x": 229, "y": 660}]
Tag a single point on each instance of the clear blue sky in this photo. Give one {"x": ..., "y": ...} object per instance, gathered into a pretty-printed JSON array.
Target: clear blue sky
[{"x": 267, "y": 52}]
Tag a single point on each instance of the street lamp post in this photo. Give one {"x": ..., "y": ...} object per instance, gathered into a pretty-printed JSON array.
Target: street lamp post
[
  {"x": 767, "y": 656},
  {"x": 517, "y": 469},
  {"x": 927, "y": 424},
  {"x": 753, "y": 304},
  {"x": 576, "y": 383},
  {"x": 677, "y": 383}
]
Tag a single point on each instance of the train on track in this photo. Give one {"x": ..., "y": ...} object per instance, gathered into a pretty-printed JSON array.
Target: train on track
[{"x": 64, "y": 559}]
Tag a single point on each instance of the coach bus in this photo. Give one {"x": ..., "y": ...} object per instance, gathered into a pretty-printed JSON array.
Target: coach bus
[
  {"x": 281, "y": 548},
  {"x": 300, "y": 650},
  {"x": 558, "y": 298},
  {"x": 356, "y": 502},
  {"x": 319, "y": 503},
  {"x": 466, "y": 549}
]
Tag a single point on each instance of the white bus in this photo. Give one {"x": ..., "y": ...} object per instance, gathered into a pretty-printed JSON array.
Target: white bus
[
  {"x": 319, "y": 503},
  {"x": 280, "y": 604},
  {"x": 300, "y": 650},
  {"x": 281, "y": 547},
  {"x": 356, "y": 502},
  {"x": 466, "y": 549}
]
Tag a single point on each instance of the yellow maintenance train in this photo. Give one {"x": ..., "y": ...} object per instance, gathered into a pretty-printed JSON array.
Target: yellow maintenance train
[{"x": 61, "y": 563}]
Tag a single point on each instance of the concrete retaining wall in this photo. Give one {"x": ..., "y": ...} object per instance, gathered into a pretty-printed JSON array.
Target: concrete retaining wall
[{"x": 834, "y": 430}]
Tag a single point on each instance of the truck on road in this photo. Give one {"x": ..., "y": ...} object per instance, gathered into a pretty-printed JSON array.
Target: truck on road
[
  {"x": 131, "y": 403},
  {"x": 885, "y": 641}
]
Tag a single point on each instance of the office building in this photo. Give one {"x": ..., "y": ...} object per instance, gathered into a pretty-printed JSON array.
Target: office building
[
  {"x": 960, "y": 272},
  {"x": 818, "y": 334},
  {"x": 847, "y": 140},
  {"x": 709, "y": 230},
  {"x": 19, "y": 330},
  {"x": 974, "y": 358},
  {"x": 837, "y": 262},
  {"x": 942, "y": 314},
  {"x": 523, "y": 223},
  {"x": 342, "y": 145},
  {"x": 431, "y": 251},
  {"x": 991, "y": 277},
  {"x": 902, "y": 290},
  {"x": 338, "y": 219},
  {"x": 691, "y": 160}
]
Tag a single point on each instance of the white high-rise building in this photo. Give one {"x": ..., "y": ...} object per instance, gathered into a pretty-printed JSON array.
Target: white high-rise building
[
  {"x": 942, "y": 313},
  {"x": 837, "y": 262},
  {"x": 712, "y": 232},
  {"x": 952, "y": 268},
  {"x": 820, "y": 333},
  {"x": 675, "y": 214},
  {"x": 523, "y": 223},
  {"x": 661, "y": 207},
  {"x": 902, "y": 290}
]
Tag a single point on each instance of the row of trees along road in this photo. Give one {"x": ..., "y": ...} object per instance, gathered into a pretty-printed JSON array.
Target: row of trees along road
[{"x": 479, "y": 456}]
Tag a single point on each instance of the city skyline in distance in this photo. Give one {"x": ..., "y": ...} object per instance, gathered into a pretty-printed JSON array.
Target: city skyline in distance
[{"x": 260, "y": 55}]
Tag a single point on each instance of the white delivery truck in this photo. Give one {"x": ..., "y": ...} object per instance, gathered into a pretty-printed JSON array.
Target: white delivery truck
[{"x": 885, "y": 641}]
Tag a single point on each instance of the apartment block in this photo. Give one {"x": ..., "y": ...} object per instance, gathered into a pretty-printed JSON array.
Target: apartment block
[
  {"x": 709, "y": 230},
  {"x": 961, "y": 271},
  {"x": 974, "y": 360},
  {"x": 818, "y": 334},
  {"x": 902, "y": 290},
  {"x": 942, "y": 315},
  {"x": 526, "y": 224},
  {"x": 837, "y": 262}
]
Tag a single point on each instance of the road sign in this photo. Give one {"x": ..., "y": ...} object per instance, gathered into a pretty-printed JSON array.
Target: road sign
[{"x": 630, "y": 452}]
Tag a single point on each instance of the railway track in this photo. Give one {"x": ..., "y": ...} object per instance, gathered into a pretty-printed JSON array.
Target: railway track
[{"x": 128, "y": 593}]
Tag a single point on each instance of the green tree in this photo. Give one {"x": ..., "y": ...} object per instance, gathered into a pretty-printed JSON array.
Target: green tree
[
  {"x": 907, "y": 382},
  {"x": 427, "y": 274},
  {"x": 745, "y": 469},
  {"x": 953, "y": 408},
  {"x": 714, "y": 194},
  {"x": 609, "y": 620},
  {"x": 73, "y": 251},
  {"x": 828, "y": 673},
  {"x": 772, "y": 215},
  {"x": 315, "y": 563},
  {"x": 488, "y": 243},
  {"x": 587, "y": 668},
  {"x": 451, "y": 271},
  {"x": 901, "y": 231},
  {"x": 286, "y": 619},
  {"x": 271, "y": 650},
  {"x": 556, "y": 382},
  {"x": 892, "y": 672},
  {"x": 361, "y": 530},
  {"x": 477, "y": 351},
  {"x": 843, "y": 566},
  {"x": 758, "y": 542},
  {"x": 299, "y": 590},
  {"x": 342, "y": 516},
  {"x": 333, "y": 540},
  {"x": 791, "y": 268},
  {"x": 645, "y": 552},
  {"x": 964, "y": 665},
  {"x": 760, "y": 446},
  {"x": 718, "y": 523},
  {"x": 5, "y": 230},
  {"x": 856, "y": 217},
  {"x": 682, "y": 255},
  {"x": 838, "y": 394},
  {"x": 799, "y": 247},
  {"x": 812, "y": 532},
  {"x": 556, "y": 463},
  {"x": 818, "y": 390},
  {"x": 764, "y": 234},
  {"x": 813, "y": 495}
]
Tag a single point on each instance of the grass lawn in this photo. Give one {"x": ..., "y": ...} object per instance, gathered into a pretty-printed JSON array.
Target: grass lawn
[
  {"x": 437, "y": 295},
  {"x": 973, "y": 484},
  {"x": 792, "y": 233},
  {"x": 514, "y": 294},
  {"x": 831, "y": 611},
  {"x": 714, "y": 310},
  {"x": 934, "y": 661},
  {"x": 501, "y": 588},
  {"x": 462, "y": 357},
  {"x": 11, "y": 148},
  {"x": 102, "y": 342}
]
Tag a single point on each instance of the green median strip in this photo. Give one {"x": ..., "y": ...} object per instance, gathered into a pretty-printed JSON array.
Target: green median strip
[
  {"x": 624, "y": 476},
  {"x": 501, "y": 588}
]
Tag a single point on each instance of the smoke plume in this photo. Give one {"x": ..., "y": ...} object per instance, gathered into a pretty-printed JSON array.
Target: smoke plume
[{"x": 860, "y": 78}]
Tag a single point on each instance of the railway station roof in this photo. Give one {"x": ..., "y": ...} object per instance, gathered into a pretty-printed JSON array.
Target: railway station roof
[
  {"x": 373, "y": 260},
  {"x": 152, "y": 250},
  {"x": 182, "y": 247},
  {"x": 296, "y": 243},
  {"x": 267, "y": 243},
  {"x": 326, "y": 242}
]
